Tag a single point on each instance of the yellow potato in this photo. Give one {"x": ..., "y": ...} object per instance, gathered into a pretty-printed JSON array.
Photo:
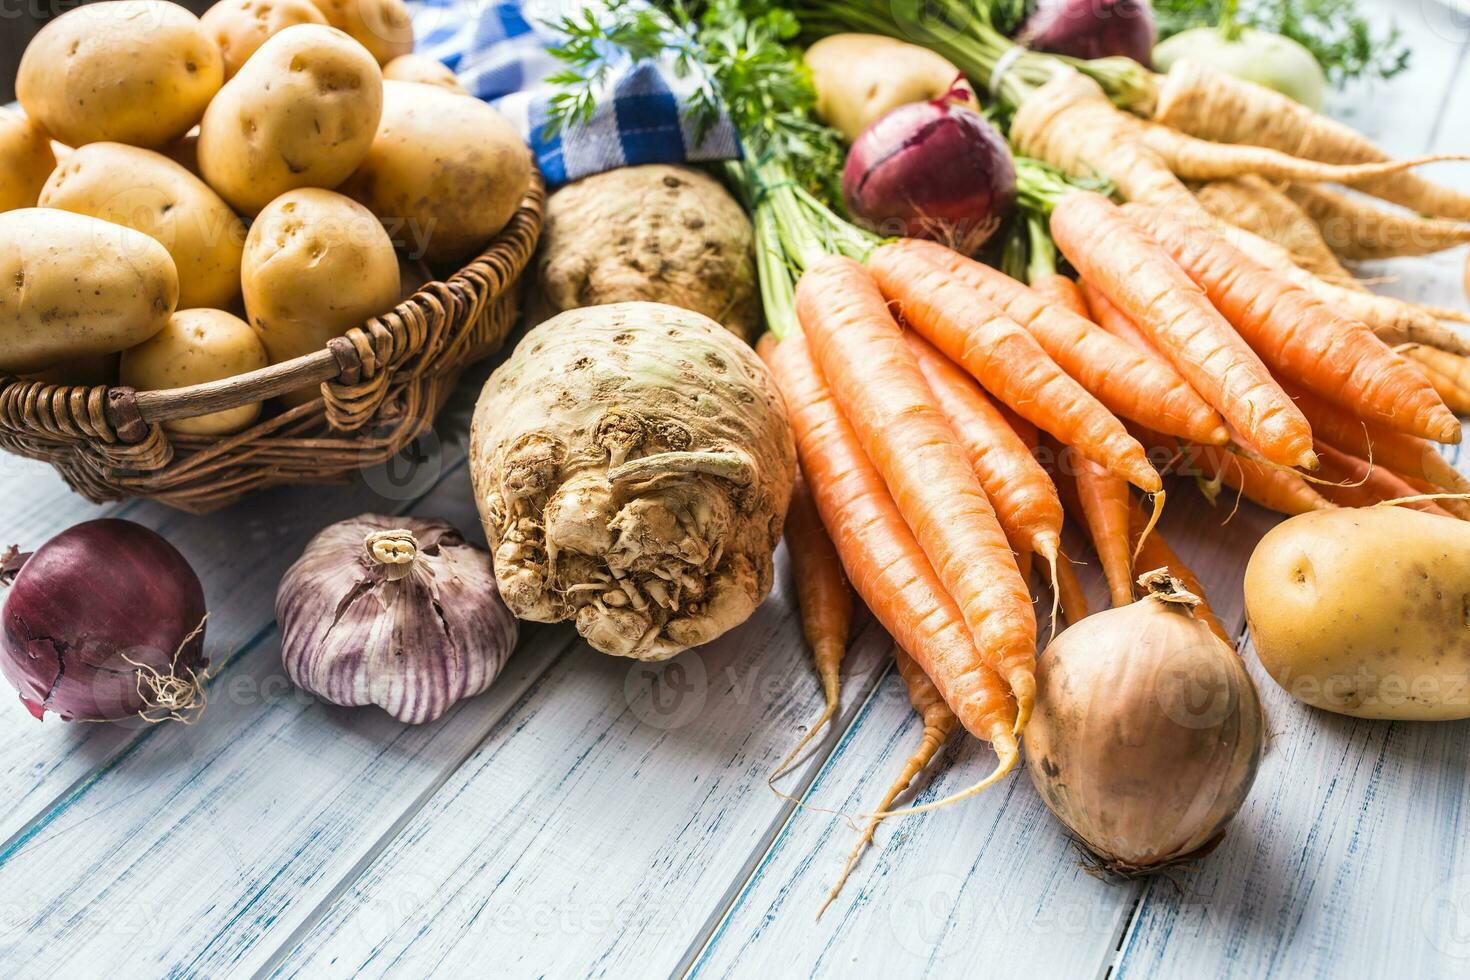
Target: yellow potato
[
  {"x": 302, "y": 112},
  {"x": 382, "y": 26},
  {"x": 425, "y": 71},
  {"x": 149, "y": 192},
  {"x": 860, "y": 78},
  {"x": 444, "y": 174},
  {"x": 125, "y": 71},
  {"x": 194, "y": 347},
  {"x": 316, "y": 264},
  {"x": 26, "y": 160},
  {"x": 1366, "y": 611},
  {"x": 239, "y": 27},
  {"x": 73, "y": 287}
]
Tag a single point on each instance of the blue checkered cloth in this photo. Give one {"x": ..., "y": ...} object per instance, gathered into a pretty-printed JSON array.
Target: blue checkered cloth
[{"x": 499, "y": 52}]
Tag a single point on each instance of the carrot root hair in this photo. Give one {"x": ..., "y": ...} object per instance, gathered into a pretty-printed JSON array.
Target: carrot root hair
[
  {"x": 830, "y": 688},
  {"x": 1009, "y": 752},
  {"x": 1153, "y": 521}
]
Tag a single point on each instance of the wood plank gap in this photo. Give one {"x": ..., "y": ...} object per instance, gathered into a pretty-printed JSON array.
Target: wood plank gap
[
  {"x": 353, "y": 874},
  {"x": 716, "y": 922}
]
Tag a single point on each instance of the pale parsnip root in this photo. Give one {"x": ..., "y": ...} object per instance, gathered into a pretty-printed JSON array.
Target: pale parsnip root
[
  {"x": 1357, "y": 230},
  {"x": 1256, "y": 206},
  {"x": 632, "y": 464},
  {"x": 1196, "y": 99}
]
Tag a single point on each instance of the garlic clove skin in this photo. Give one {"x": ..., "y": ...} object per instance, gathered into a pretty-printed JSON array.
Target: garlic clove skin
[{"x": 398, "y": 612}]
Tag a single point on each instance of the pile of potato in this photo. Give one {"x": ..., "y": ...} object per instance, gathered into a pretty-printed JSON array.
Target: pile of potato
[{"x": 185, "y": 200}]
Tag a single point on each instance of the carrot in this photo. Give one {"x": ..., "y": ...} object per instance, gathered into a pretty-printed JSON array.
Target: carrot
[
  {"x": 1105, "y": 502},
  {"x": 1057, "y": 290},
  {"x": 1069, "y": 123},
  {"x": 1408, "y": 456},
  {"x": 1357, "y": 230},
  {"x": 1073, "y": 596},
  {"x": 1195, "y": 159},
  {"x": 825, "y": 601},
  {"x": 1154, "y": 552},
  {"x": 884, "y": 562},
  {"x": 1455, "y": 397},
  {"x": 883, "y": 394},
  {"x": 1258, "y": 207},
  {"x": 1301, "y": 337},
  {"x": 1126, "y": 381},
  {"x": 1006, "y": 359},
  {"x": 1393, "y": 320},
  {"x": 1022, "y": 494},
  {"x": 1142, "y": 280},
  {"x": 1115, "y": 322},
  {"x": 1355, "y": 482},
  {"x": 1271, "y": 487},
  {"x": 1454, "y": 367},
  {"x": 939, "y": 723},
  {"x": 1201, "y": 101}
]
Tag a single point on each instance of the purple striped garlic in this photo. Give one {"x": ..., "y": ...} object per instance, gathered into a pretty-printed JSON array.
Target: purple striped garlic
[{"x": 393, "y": 611}]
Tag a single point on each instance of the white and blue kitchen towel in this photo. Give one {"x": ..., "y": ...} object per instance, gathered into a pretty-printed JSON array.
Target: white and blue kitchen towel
[{"x": 498, "y": 49}]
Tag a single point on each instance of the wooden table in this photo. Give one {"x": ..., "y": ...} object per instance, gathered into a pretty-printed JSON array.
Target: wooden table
[{"x": 588, "y": 816}]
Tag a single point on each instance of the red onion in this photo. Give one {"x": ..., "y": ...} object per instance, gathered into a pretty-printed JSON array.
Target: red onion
[
  {"x": 105, "y": 621},
  {"x": 1092, "y": 29},
  {"x": 933, "y": 170}
]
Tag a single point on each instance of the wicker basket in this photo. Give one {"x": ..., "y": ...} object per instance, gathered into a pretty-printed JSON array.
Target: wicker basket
[{"x": 381, "y": 386}]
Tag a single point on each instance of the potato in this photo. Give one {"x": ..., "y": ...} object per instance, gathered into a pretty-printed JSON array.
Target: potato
[
  {"x": 73, "y": 287},
  {"x": 656, "y": 232},
  {"x": 125, "y": 71},
  {"x": 149, "y": 192},
  {"x": 240, "y": 27},
  {"x": 425, "y": 71},
  {"x": 26, "y": 160},
  {"x": 302, "y": 112},
  {"x": 444, "y": 174},
  {"x": 861, "y": 77},
  {"x": 1366, "y": 612},
  {"x": 194, "y": 347},
  {"x": 316, "y": 264},
  {"x": 384, "y": 27}
]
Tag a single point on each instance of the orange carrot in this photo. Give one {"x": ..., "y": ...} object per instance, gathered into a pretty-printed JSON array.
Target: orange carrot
[
  {"x": 1271, "y": 487},
  {"x": 1057, "y": 290},
  {"x": 884, "y": 563},
  {"x": 1357, "y": 483},
  {"x": 1106, "y": 502},
  {"x": 1155, "y": 552},
  {"x": 1073, "y": 596},
  {"x": 1299, "y": 335},
  {"x": 825, "y": 601},
  {"x": 1125, "y": 380},
  {"x": 1025, "y": 501},
  {"x": 938, "y": 721},
  {"x": 1115, "y": 322},
  {"x": 883, "y": 394},
  {"x": 1006, "y": 360},
  {"x": 1408, "y": 456},
  {"x": 1142, "y": 280}
]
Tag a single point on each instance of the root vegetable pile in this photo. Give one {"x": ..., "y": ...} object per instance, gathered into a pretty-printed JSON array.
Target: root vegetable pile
[{"x": 633, "y": 465}]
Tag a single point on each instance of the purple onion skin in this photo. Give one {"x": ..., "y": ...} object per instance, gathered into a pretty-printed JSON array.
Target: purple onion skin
[
  {"x": 1092, "y": 29},
  {"x": 933, "y": 170},
  {"x": 93, "y": 594}
]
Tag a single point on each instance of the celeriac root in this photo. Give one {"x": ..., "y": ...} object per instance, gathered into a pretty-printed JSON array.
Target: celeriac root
[{"x": 633, "y": 464}]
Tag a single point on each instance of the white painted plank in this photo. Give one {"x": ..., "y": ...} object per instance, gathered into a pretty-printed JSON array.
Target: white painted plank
[
  {"x": 246, "y": 820},
  {"x": 993, "y": 880},
  {"x": 602, "y": 825}
]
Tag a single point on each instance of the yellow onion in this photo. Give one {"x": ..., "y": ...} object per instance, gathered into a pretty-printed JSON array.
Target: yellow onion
[{"x": 1147, "y": 731}]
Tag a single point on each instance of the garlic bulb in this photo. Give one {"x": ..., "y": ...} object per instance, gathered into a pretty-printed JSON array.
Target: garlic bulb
[
  {"x": 393, "y": 611},
  {"x": 1147, "y": 731}
]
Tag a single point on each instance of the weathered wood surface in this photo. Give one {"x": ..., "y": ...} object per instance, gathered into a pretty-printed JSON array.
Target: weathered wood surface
[{"x": 589, "y": 816}]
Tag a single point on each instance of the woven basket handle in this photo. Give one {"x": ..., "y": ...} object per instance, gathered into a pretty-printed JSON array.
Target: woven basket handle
[{"x": 130, "y": 411}]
